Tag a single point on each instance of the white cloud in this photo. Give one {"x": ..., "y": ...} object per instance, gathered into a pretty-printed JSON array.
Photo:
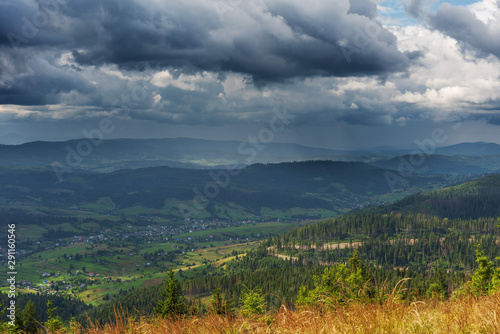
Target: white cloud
[
  {"x": 444, "y": 78},
  {"x": 183, "y": 81},
  {"x": 486, "y": 10}
]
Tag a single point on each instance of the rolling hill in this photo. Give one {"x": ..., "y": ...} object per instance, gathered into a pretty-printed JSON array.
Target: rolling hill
[
  {"x": 441, "y": 164},
  {"x": 476, "y": 148},
  {"x": 300, "y": 189},
  {"x": 471, "y": 200},
  {"x": 113, "y": 154}
]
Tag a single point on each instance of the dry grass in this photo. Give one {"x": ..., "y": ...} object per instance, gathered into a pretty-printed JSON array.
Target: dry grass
[{"x": 464, "y": 315}]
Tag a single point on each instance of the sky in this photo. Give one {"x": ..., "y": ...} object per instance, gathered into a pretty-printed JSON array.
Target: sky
[{"x": 342, "y": 74}]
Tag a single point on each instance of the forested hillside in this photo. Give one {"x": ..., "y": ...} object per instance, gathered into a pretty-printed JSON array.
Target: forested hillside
[
  {"x": 471, "y": 200},
  {"x": 313, "y": 189}
]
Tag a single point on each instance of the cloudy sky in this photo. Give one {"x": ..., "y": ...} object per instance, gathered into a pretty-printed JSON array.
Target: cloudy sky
[{"x": 348, "y": 73}]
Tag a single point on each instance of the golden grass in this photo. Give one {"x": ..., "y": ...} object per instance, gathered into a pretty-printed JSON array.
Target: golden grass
[
  {"x": 227, "y": 259},
  {"x": 464, "y": 315}
]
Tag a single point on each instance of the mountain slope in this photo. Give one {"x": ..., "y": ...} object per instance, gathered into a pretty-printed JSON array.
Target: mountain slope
[
  {"x": 440, "y": 229},
  {"x": 477, "y": 148},
  {"x": 442, "y": 164},
  {"x": 321, "y": 186},
  {"x": 403, "y": 250},
  {"x": 471, "y": 200}
]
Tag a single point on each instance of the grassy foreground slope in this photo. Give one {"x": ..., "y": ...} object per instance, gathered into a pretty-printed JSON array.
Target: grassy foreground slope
[{"x": 463, "y": 315}]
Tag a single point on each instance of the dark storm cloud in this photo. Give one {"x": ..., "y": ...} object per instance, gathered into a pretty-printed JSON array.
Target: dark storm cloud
[
  {"x": 464, "y": 26},
  {"x": 363, "y": 7},
  {"x": 29, "y": 80},
  {"x": 32, "y": 23},
  {"x": 495, "y": 120},
  {"x": 414, "y": 8},
  {"x": 268, "y": 40},
  {"x": 491, "y": 114},
  {"x": 412, "y": 55}
]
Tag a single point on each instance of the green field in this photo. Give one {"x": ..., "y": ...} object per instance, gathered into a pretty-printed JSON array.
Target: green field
[{"x": 121, "y": 274}]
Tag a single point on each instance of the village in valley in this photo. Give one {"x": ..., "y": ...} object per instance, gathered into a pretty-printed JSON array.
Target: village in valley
[{"x": 99, "y": 265}]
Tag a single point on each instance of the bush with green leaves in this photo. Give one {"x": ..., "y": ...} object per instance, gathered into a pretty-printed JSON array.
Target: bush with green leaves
[{"x": 338, "y": 285}]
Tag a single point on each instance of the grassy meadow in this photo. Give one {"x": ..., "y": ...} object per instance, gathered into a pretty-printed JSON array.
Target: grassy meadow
[{"x": 463, "y": 315}]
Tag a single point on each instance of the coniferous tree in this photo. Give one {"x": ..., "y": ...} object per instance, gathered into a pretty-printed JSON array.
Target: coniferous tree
[
  {"x": 338, "y": 284},
  {"x": 173, "y": 302},
  {"x": 53, "y": 323},
  {"x": 220, "y": 305},
  {"x": 440, "y": 286},
  {"x": 254, "y": 303},
  {"x": 30, "y": 318}
]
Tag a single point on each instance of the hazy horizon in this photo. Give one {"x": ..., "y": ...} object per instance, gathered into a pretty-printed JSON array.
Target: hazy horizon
[{"x": 406, "y": 146}]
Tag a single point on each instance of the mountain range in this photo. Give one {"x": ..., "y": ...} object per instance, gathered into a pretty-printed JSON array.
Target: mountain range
[{"x": 114, "y": 154}]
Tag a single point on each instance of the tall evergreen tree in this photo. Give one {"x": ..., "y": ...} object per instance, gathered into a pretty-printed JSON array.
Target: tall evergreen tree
[
  {"x": 254, "y": 303},
  {"x": 53, "y": 323},
  {"x": 173, "y": 302},
  {"x": 220, "y": 305},
  {"x": 30, "y": 318}
]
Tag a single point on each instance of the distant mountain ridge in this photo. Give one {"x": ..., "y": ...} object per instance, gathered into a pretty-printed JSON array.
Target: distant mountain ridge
[
  {"x": 476, "y": 148},
  {"x": 174, "y": 152},
  {"x": 114, "y": 154}
]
